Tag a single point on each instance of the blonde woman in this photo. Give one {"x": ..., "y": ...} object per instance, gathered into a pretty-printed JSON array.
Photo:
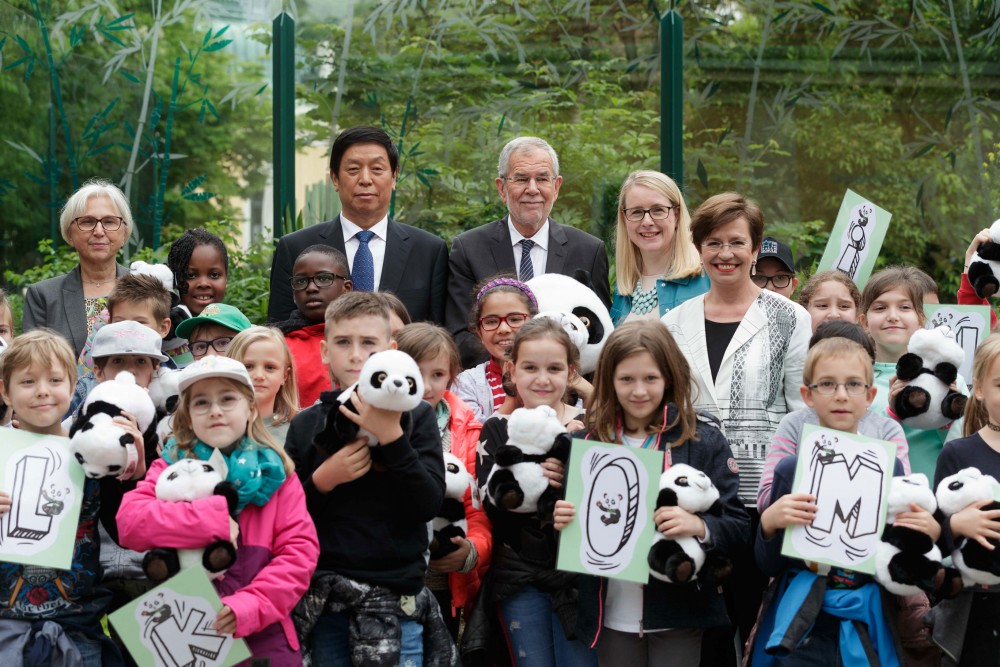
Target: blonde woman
[{"x": 657, "y": 265}]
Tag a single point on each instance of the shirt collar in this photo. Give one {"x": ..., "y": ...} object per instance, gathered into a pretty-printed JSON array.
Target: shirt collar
[
  {"x": 381, "y": 228},
  {"x": 541, "y": 237}
]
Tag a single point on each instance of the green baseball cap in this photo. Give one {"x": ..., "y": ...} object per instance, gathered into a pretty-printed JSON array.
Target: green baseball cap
[{"x": 215, "y": 313}]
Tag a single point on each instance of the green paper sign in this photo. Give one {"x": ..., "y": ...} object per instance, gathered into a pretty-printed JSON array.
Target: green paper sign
[
  {"x": 856, "y": 238},
  {"x": 970, "y": 324},
  {"x": 171, "y": 625},
  {"x": 45, "y": 484},
  {"x": 613, "y": 488},
  {"x": 849, "y": 474}
]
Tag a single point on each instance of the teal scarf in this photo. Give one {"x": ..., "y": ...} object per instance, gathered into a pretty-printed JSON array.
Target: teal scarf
[{"x": 255, "y": 471}]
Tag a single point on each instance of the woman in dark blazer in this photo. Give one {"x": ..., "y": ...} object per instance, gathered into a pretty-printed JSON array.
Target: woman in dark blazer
[{"x": 97, "y": 222}]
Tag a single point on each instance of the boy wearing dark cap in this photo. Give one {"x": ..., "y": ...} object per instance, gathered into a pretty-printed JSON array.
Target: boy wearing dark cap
[{"x": 775, "y": 268}]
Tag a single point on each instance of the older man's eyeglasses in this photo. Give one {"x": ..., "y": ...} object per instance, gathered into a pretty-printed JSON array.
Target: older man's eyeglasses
[
  {"x": 110, "y": 223},
  {"x": 522, "y": 181},
  {"x": 657, "y": 213},
  {"x": 321, "y": 280},
  {"x": 220, "y": 345},
  {"x": 829, "y": 387},
  {"x": 780, "y": 281}
]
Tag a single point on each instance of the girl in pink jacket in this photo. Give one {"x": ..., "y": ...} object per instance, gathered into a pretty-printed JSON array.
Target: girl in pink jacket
[{"x": 276, "y": 545}]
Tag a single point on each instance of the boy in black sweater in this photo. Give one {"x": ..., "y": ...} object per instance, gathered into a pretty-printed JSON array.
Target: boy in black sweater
[{"x": 371, "y": 505}]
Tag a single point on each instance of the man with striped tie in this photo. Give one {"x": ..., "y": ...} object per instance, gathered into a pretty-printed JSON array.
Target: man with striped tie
[
  {"x": 526, "y": 242},
  {"x": 384, "y": 255}
]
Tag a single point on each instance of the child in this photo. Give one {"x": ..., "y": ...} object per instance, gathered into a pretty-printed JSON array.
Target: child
[
  {"x": 978, "y": 642},
  {"x": 775, "y": 268},
  {"x": 827, "y": 610},
  {"x": 200, "y": 263},
  {"x": 872, "y": 424},
  {"x": 542, "y": 361},
  {"x": 211, "y": 332},
  {"x": 320, "y": 275},
  {"x": 264, "y": 353},
  {"x": 371, "y": 506},
  {"x": 455, "y": 578},
  {"x": 500, "y": 307},
  {"x": 38, "y": 371},
  {"x": 642, "y": 399},
  {"x": 892, "y": 309},
  {"x": 277, "y": 547},
  {"x": 6, "y": 320},
  {"x": 830, "y": 295},
  {"x": 399, "y": 317}
]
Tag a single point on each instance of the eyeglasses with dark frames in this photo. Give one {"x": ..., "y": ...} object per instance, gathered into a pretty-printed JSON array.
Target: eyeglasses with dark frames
[
  {"x": 87, "y": 223},
  {"x": 220, "y": 345},
  {"x": 780, "y": 281},
  {"x": 321, "y": 280},
  {"x": 657, "y": 213},
  {"x": 513, "y": 320}
]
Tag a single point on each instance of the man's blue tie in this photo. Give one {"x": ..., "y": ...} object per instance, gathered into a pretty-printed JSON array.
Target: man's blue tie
[
  {"x": 527, "y": 270},
  {"x": 363, "y": 273}
]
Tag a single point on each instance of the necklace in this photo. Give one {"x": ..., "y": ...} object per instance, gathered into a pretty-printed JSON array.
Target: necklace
[
  {"x": 992, "y": 426},
  {"x": 644, "y": 301},
  {"x": 96, "y": 283}
]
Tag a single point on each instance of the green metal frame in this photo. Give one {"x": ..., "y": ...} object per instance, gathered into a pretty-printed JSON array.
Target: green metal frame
[
  {"x": 672, "y": 96},
  {"x": 283, "y": 61}
]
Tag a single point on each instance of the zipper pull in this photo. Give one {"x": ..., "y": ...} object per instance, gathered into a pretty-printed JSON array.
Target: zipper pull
[{"x": 640, "y": 629}]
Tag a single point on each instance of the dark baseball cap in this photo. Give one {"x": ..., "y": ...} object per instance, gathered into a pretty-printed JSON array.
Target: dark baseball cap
[{"x": 772, "y": 247}]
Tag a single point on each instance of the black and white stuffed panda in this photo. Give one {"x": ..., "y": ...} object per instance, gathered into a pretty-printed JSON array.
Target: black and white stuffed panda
[
  {"x": 557, "y": 293},
  {"x": 517, "y": 482},
  {"x": 680, "y": 560},
  {"x": 976, "y": 563},
  {"x": 984, "y": 268},
  {"x": 165, "y": 391},
  {"x": 390, "y": 380},
  {"x": 103, "y": 447},
  {"x": 186, "y": 481},
  {"x": 930, "y": 365},
  {"x": 906, "y": 560},
  {"x": 451, "y": 521}
]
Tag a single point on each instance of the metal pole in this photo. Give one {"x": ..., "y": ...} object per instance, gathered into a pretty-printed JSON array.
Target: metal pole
[
  {"x": 283, "y": 64},
  {"x": 672, "y": 96}
]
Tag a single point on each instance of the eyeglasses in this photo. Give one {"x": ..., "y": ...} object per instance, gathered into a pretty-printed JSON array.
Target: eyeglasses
[
  {"x": 321, "y": 280},
  {"x": 717, "y": 246},
  {"x": 523, "y": 181},
  {"x": 658, "y": 213},
  {"x": 780, "y": 281},
  {"x": 220, "y": 345},
  {"x": 226, "y": 403},
  {"x": 110, "y": 223},
  {"x": 493, "y": 322},
  {"x": 829, "y": 387}
]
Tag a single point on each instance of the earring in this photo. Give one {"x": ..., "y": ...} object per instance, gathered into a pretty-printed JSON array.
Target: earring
[{"x": 753, "y": 268}]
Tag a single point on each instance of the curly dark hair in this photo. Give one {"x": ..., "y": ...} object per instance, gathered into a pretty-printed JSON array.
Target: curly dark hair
[{"x": 180, "y": 254}]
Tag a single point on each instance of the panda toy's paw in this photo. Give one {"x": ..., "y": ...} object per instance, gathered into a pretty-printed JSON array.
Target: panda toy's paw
[
  {"x": 911, "y": 401},
  {"x": 229, "y": 492},
  {"x": 716, "y": 569},
  {"x": 668, "y": 562},
  {"x": 505, "y": 491},
  {"x": 218, "y": 556},
  {"x": 160, "y": 564},
  {"x": 441, "y": 545},
  {"x": 338, "y": 431}
]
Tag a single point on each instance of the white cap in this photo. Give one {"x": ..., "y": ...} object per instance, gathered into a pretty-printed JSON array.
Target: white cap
[
  {"x": 127, "y": 337},
  {"x": 214, "y": 367}
]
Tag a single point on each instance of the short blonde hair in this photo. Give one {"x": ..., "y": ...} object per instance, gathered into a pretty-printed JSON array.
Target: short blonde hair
[
  {"x": 684, "y": 259},
  {"x": 351, "y": 305},
  {"x": 77, "y": 204},
  {"x": 838, "y": 347},
  {"x": 185, "y": 437},
  {"x": 39, "y": 347},
  {"x": 286, "y": 403}
]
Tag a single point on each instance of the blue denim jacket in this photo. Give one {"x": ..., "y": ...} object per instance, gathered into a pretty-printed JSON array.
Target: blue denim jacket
[{"x": 669, "y": 293}]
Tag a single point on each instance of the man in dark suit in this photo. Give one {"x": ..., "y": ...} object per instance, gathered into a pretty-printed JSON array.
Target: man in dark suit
[
  {"x": 528, "y": 184},
  {"x": 384, "y": 255}
]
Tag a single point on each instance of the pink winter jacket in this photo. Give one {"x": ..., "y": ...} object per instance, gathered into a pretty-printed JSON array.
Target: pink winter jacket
[{"x": 277, "y": 551}]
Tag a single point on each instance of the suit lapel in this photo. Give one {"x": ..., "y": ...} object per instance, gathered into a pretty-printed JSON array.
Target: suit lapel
[
  {"x": 74, "y": 307},
  {"x": 332, "y": 234},
  {"x": 503, "y": 251},
  {"x": 397, "y": 249},
  {"x": 555, "y": 260},
  {"x": 752, "y": 322}
]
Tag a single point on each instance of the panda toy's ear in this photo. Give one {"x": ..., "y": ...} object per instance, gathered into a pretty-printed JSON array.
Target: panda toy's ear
[{"x": 218, "y": 462}]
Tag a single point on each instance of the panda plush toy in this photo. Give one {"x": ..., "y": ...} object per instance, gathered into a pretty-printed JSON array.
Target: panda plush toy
[
  {"x": 186, "y": 481},
  {"x": 450, "y": 521},
  {"x": 984, "y": 268},
  {"x": 100, "y": 445},
  {"x": 680, "y": 560},
  {"x": 165, "y": 391},
  {"x": 390, "y": 380},
  {"x": 976, "y": 563},
  {"x": 557, "y": 293},
  {"x": 517, "y": 482},
  {"x": 930, "y": 365},
  {"x": 907, "y": 561}
]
